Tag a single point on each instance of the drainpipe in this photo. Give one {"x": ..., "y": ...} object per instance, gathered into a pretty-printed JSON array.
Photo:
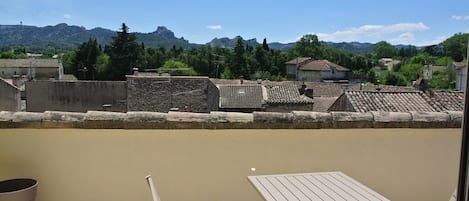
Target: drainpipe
[{"x": 463, "y": 168}]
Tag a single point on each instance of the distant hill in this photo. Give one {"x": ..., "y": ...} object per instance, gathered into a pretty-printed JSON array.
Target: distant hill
[
  {"x": 231, "y": 43},
  {"x": 68, "y": 37}
]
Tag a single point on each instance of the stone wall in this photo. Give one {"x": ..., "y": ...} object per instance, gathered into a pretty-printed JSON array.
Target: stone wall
[
  {"x": 161, "y": 93},
  {"x": 285, "y": 107},
  {"x": 230, "y": 120},
  {"x": 75, "y": 96},
  {"x": 10, "y": 97}
]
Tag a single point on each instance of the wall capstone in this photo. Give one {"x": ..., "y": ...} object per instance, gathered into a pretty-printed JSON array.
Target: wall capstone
[
  {"x": 230, "y": 117},
  {"x": 145, "y": 117}
]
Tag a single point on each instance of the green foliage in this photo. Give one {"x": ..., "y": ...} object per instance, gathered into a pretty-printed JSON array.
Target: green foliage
[
  {"x": 238, "y": 65},
  {"x": 308, "y": 46},
  {"x": 84, "y": 61},
  {"x": 394, "y": 78},
  {"x": 226, "y": 74},
  {"x": 383, "y": 49},
  {"x": 372, "y": 77},
  {"x": 67, "y": 62},
  {"x": 411, "y": 71},
  {"x": 174, "y": 67},
  {"x": 124, "y": 51},
  {"x": 455, "y": 47},
  {"x": 443, "y": 61},
  {"x": 8, "y": 55},
  {"x": 102, "y": 66},
  {"x": 263, "y": 75},
  {"x": 440, "y": 81}
]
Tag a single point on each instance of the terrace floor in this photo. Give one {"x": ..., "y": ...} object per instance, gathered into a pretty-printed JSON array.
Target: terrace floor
[{"x": 200, "y": 165}]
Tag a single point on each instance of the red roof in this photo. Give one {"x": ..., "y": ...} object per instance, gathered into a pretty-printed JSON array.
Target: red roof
[
  {"x": 322, "y": 65},
  {"x": 298, "y": 60}
]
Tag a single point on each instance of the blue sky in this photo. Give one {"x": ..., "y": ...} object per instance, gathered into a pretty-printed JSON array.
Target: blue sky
[{"x": 418, "y": 22}]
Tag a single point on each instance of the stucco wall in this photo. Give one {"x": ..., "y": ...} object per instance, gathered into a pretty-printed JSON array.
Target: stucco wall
[
  {"x": 310, "y": 76},
  {"x": 160, "y": 94},
  {"x": 213, "y": 165},
  {"x": 75, "y": 96},
  {"x": 10, "y": 97}
]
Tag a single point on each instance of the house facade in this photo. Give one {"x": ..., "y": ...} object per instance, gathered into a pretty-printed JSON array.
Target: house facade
[
  {"x": 32, "y": 68},
  {"x": 461, "y": 75},
  {"x": 307, "y": 69}
]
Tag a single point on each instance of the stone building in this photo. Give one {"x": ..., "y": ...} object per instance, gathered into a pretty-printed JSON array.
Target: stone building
[
  {"x": 10, "y": 96},
  {"x": 307, "y": 69},
  {"x": 32, "y": 68},
  {"x": 165, "y": 93},
  {"x": 269, "y": 97}
]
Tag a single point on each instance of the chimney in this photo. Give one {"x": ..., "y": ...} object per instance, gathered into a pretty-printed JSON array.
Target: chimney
[
  {"x": 135, "y": 71},
  {"x": 309, "y": 93},
  {"x": 241, "y": 79},
  {"x": 303, "y": 88}
]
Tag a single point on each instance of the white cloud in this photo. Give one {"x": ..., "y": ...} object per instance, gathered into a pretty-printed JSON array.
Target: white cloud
[
  {"x": 404, "y": 38},
  {"x": 215, "y": 27},
  {"x": 459, "y": 17},
  {"x": 67, "y": 16},
  {"x": 373, "y": 33}
]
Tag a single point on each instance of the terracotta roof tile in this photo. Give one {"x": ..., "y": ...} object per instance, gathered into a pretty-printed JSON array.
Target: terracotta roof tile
[
  {"x": 285, "y": 93},
  {"x": 240, "y": 96},
  {"x": 299, "y": 60},
  {"x": 322, "y": 65},
  {"x": 450, "y": 100},
  {"x": 365, "y": 101}
]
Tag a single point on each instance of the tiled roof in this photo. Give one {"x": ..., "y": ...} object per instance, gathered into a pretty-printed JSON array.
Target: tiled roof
[
  {"x": 240, "y": 96},
  {"x": 322, "y": 65},
  {"x": 286, "y": 94},
  {"x": 299, "y": 60},
  {"x": 335, "y": 89},
  {"x": 26, "y": 63},
  {"x": 231, "y": 82},
  {"x": 322, "y": 103},
  {"x": 365, "y": 101},
  {"x": 449, "y": 100}
]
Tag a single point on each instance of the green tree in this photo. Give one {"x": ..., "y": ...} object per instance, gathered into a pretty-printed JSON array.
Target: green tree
[
  {"x": 123, "y": 54},
  {"x": 174, "y": 67},
  {"x": 309, "y": 46},
  {"x": 238, "y": 65},
  {"x": 383, "y": 49},
  {"x": 456, "y": 46},
  {"x": 67, "y": 62},
  {"x": 394, "y": 78},
  {"x": 84, "y": 62}
]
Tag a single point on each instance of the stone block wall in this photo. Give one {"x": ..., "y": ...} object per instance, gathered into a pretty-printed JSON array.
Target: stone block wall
[
  {"x": 160, "y": 93},
  {"x": 10, "y": 97},
  {"x": 75, "y": 96}
]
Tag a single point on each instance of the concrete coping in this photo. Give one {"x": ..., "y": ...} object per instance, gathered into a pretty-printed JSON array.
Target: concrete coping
[
  {"x": 295, "y": 119},
  {"x": 63, "y": 116},
  {"x": 104, "y": 116},
  {"x": 142, "y": 116}
]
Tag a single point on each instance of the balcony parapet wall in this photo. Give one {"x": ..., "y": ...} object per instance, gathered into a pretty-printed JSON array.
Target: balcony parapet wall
[{"x": 230, "y": 120}]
